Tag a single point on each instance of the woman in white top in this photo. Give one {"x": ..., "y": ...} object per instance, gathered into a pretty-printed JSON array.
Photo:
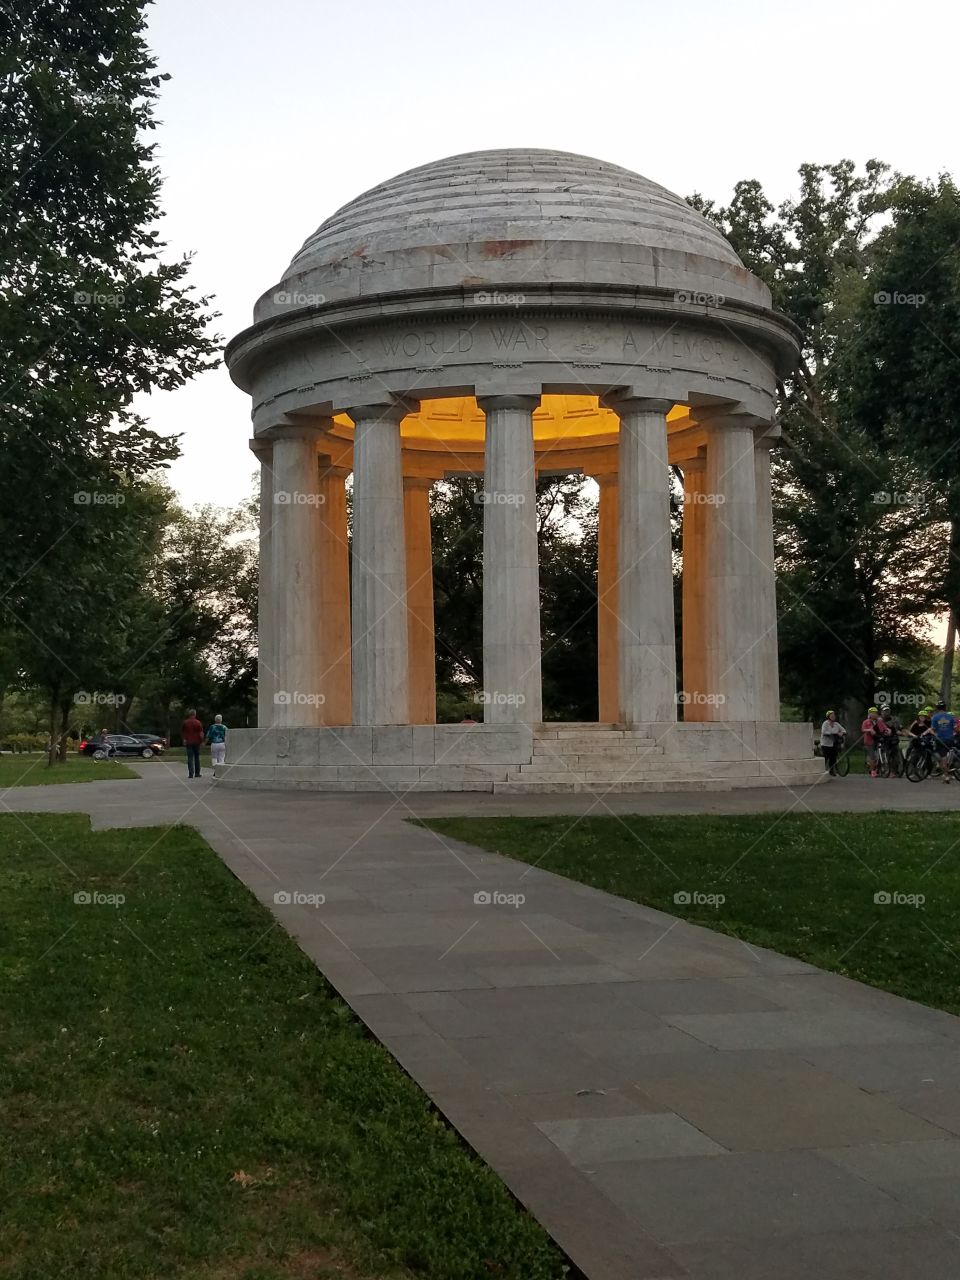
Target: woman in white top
[{"x": 832, "y": 734}]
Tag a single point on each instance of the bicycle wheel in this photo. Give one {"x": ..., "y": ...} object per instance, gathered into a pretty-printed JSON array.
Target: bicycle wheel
[
  {"x": 917, "y": 765},
  {"x": 896, "y": 762},
  {"x": 843, "y": 764},
  {"x": 883, "y": 761}
]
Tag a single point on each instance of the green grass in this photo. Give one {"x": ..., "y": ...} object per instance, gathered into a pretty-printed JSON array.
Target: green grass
[
  {"x": 183, "y": 1094},
  {"x": 33, "y": 771},
  {"x": 802, "y": 884}
]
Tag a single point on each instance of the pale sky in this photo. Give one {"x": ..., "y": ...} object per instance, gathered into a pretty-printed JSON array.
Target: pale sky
[{"x": 280, "y": 111}]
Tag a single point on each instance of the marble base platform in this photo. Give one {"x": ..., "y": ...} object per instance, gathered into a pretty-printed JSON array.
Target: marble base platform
[{"x": 553, "y": 757}]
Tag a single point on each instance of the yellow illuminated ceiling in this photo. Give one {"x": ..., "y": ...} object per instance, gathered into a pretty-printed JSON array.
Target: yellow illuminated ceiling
[{"x": 561, "y": 420}]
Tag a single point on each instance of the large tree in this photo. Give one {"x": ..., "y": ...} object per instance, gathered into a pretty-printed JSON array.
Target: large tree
[{"x": 90, "y": 312}]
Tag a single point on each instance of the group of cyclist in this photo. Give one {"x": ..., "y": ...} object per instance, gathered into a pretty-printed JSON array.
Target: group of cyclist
[{"x": 935, "y": 730}]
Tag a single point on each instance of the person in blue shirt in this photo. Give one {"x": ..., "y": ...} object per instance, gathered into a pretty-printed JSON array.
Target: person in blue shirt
[{"x": 944, "y": 725}]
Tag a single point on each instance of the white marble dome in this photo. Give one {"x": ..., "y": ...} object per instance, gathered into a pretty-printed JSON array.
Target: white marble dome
[{"x": 513, "y": 217}]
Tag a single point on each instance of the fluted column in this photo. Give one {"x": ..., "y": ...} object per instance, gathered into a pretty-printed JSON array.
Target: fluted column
[
  {"x": 648, "y": 660},
  {"x": 295, "y": 597},
  {"x": 266, "y": 655},
  {"x": 380, "y": 676},
  {"x": 511, "y": 577},
  {"x": 334, "y": 637},
  {"x": 730, "y": 595},
  {"x": 420, "y": 627},
  {"x": 608, "y": 591},
  {"x": 768, "y": 661},
  {"x": 694, "y": 683}
]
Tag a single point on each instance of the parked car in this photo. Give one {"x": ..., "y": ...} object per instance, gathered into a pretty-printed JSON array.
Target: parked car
[
  {"x": 152, "y": 740},
  {"x": 123, "y": 744}
]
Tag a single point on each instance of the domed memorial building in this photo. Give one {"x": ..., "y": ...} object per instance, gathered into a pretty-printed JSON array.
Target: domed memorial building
[{"x": 504, "y": 315}]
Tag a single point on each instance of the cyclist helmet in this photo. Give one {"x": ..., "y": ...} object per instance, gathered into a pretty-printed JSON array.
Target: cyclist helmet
[
  {"x": 872, "y": 711},
  {"x": 830, "y": 713},
  {"x": 941, "y": 705}
]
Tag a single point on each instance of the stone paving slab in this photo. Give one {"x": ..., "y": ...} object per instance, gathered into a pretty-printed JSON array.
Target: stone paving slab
[{"x": 668, "y": 1101}]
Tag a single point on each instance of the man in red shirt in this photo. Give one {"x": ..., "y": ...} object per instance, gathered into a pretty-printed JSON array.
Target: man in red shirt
[{"x": 191, "y": 734}]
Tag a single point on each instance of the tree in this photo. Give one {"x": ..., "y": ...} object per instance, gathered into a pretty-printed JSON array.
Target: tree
[
  {"x": 91, "y": 315},
  {"x": 904, "y": 371}
]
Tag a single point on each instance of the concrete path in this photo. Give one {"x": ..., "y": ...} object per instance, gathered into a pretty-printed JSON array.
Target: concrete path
[{"x": 669, "y": 1102}]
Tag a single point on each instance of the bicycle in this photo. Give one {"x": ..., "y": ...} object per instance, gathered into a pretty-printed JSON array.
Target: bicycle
[
  {"x": 841, "y": 766},
  {"x": 889, "y": 758},
  {"x": 918, "y": 763}
]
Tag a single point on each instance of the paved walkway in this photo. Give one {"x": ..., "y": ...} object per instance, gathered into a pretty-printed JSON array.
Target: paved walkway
[{"x": 669, "y": 1102}]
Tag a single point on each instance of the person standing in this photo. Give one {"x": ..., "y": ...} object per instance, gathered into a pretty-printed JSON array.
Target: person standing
[
  {"x": 832, "y": 734},
  {"x": 191, "y": 733},
  {"x": 944, "y": 725},
  {"x": 217, "y": 737},
  {"x": 872, "y": 728}
]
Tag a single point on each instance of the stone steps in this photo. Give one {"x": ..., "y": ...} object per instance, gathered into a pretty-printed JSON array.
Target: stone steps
[{"x": 802, "y": 778}]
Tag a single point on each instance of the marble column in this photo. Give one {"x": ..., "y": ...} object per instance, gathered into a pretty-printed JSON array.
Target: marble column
[
  {"x": 768, "y": 660},
  {"x": 380, "y": 675},
  {"x": 420, "y": 625},
  {"x": 730, "y": 589},
  {"x": 266, "y": 636},
  {"x": 608, "y": 592},
  {"x": 295, "y": 597},
  {"x": 694, "y": 683},
  {"x": 648, "y": 658},
  {"x": 511, "y": 577},
  {"x": 334, "y": 638}
]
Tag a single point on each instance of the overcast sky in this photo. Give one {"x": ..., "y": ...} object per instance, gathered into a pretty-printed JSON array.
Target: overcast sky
[{"x": 279, "y": 111}]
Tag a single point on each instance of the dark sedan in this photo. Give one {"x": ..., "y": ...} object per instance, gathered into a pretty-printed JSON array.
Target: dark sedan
[{"x": 120, "y": 744}]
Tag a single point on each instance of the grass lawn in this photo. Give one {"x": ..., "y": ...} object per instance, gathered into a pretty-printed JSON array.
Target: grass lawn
[
  {"x": 33, "y": 771},
  {"x": 184, "y": 1096},
  {"x": 803, "y": 884}
]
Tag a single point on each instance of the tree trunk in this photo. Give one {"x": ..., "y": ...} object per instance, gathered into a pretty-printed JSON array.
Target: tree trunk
[
  {"x": 946, "y": 678},
  {"x": 952, "y": 593},
  {"x": 52, "y": 727},
  {"x": 64, "y": 725}
]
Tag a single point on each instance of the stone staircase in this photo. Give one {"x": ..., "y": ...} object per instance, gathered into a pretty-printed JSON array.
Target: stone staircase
[{"x": 606, "y": 758}]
